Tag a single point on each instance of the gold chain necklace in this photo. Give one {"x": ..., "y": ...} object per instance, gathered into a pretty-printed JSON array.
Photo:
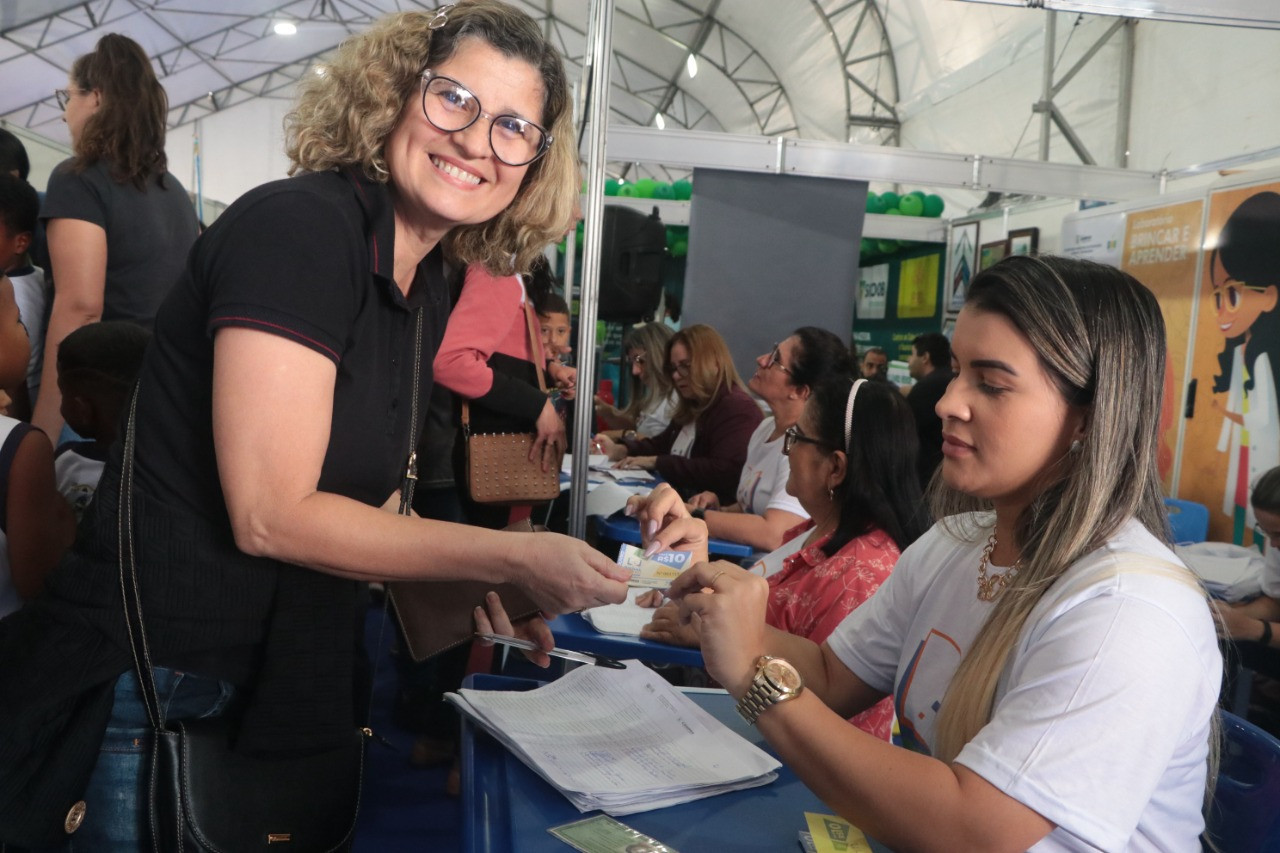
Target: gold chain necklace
[{"x": 990, "y": 587}]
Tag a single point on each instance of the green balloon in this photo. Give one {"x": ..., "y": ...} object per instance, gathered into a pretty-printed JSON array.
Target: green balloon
[
  {"x": 911, "y": 205},
  {"x": 890, "y": 199},
  {"x": 664, "y": 191},
  {"x": 887, "y": 247},
  {"x": 611, "y": 186},
  {"x": 933, "y": 205},
  {"x": 917, "y": 193},
  {"x": 683, "y": 189},
  {"x": 874, "y": 204},
  {"x": 628, "y": 191},
  {"x": 867, "y": 246},
  {"x": 893, "y": 211},
  {"x": 680, "y": 249},
  {"x": 645, "y": 187}
]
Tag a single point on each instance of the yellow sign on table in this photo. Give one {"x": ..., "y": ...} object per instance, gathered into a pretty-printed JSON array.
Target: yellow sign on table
[{"x": 832, "y": 834}]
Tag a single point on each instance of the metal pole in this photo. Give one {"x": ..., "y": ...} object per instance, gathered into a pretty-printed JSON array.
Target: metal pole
[
  {"x": 599, "y": 40},
  {"x": 1046, "y": 97},
  {"x": 1126, "y": 93}
]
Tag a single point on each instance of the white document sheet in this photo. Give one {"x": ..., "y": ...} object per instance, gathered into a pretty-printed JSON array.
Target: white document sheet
[{"x": 625, "y": 619}]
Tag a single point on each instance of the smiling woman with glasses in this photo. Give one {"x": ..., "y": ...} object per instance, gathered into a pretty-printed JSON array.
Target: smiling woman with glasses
[
  {"x": 282, "y": 393},
  {"x": 705, "y": 445}
]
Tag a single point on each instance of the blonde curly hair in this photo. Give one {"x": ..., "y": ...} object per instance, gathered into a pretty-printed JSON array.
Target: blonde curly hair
[{"x": 344, "y": 116}]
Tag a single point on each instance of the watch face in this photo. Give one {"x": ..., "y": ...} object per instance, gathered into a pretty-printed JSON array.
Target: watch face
[{"x": 783, "y": 675}]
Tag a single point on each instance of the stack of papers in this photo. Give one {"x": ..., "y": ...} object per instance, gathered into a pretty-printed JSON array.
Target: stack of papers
[
  {"x": 1230, "y": 572},
  {"x": 619, "y": 740}
]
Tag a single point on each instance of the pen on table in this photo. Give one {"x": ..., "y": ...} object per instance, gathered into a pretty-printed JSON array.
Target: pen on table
[{"x": 566, "y": 654}]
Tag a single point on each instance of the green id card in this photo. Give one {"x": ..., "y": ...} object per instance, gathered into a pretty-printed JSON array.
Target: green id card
[{"x": 603, "y": 834}]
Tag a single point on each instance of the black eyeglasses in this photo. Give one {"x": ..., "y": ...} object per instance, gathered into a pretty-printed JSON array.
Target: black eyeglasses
[
  {"x": 63, "y": 96},
  {"x": 451, "y": 107},
  {"x": 792, "y": 434},
  {"x": 775, "y": 360},
  {"x": 680, "y": 368},
  {"x": 634, "y": 359}
]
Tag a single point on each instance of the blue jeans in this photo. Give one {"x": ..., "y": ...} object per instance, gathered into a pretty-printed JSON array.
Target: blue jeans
[{"x": 115, "y": 813}]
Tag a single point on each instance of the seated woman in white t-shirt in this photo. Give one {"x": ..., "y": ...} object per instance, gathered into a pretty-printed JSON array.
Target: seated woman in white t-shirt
[
  {"x": 1054, "y": 668},
  {"x": 784, "y": 378}
]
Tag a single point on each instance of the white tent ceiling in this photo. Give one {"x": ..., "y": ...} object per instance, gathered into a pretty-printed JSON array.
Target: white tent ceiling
[
  {"x": 811, "y": 69},
  {"x": 936, "y": 75}
]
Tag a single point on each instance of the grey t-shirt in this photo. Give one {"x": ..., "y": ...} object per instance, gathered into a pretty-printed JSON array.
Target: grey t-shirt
[{"x": 149, "y": 233}]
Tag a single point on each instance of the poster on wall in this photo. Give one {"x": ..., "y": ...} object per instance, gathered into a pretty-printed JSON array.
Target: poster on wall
[
  {"x": 1234, "y": 436},
  {"x": 873, "y": 290},
  {"x": 1095, "y": 238},
  {"x": 963, "y": 263},
  {"x": 1161, "y": 250}
]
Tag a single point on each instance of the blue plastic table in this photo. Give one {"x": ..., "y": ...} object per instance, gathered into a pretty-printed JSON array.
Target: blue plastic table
[
  {"x": 573, "y": 632},
  {"x": 507, "y": 808}
]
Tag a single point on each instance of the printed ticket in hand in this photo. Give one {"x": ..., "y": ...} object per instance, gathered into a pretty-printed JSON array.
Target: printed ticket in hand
[{"x": 657, "y": 571}]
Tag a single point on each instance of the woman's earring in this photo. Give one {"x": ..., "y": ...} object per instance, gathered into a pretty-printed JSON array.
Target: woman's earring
[
  {"x": 1076, "y": 445},
  {"x": 831, "y": 495}
]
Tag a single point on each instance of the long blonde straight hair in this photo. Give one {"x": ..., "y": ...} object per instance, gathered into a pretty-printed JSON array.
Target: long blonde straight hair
[{"x": 1100, "y": 338}]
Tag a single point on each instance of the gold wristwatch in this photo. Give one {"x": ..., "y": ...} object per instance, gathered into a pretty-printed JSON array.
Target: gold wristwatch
[{"x": 775, "y": 681}]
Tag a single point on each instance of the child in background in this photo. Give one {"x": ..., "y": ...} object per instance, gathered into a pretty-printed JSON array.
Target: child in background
[
  {"x": 553, "y": 317},
  {"x": 36, "y": 525},
  {"x": 97, "y": 366},
  {"x": 19, "y": 208}
]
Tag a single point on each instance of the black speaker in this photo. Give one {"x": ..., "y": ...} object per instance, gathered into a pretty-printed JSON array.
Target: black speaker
[{"x": 632, "y": 250}]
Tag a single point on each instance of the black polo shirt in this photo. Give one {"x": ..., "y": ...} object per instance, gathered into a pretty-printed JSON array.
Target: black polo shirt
[{"x": 310, "y": 259}]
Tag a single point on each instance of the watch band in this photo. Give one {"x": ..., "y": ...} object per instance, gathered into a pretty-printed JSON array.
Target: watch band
[
  {"x": 699, "y": 513},
  {"x": 763, "y": 693}
]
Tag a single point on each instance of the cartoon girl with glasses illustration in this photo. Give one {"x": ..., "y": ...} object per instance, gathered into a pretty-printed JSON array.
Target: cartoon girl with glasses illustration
[{"x": 1245, "y": 274}]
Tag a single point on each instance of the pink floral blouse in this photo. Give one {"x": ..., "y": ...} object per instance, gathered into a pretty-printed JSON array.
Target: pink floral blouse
[{"x": 813, "y": 593}]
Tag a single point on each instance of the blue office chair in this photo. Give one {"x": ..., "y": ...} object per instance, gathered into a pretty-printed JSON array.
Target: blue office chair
[
  {"x": 1188, "y": 519},
  {"x": 1244, "y": 815}
]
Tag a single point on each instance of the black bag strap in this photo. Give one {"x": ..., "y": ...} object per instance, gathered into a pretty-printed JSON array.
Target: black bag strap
[{"x": 127, "y": 557}]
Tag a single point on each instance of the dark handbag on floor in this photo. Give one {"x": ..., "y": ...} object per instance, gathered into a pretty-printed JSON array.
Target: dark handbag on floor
[
  {"x": 203, "y": 795},
  {"x": 498, "y": 469}
]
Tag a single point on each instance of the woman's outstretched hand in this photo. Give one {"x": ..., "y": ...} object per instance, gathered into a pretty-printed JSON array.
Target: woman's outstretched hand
[
  {"x": 665, "y": 523},
  {"x": 564, "y": 575}
]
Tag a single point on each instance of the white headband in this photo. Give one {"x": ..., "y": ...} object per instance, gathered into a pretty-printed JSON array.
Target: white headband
[{"x": 848, "y": 413}]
